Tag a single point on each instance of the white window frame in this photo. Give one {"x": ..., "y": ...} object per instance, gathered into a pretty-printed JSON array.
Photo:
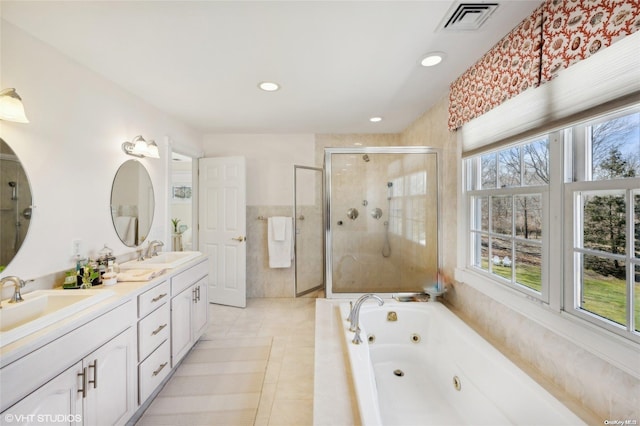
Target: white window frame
[
  {"x": 472, "y": 174},
  {"x": 578, "y": 180},
  {"x": 592, "y": 336}
]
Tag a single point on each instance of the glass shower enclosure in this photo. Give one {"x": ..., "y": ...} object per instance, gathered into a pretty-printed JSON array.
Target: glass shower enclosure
[{"x": 381, "y": 227}]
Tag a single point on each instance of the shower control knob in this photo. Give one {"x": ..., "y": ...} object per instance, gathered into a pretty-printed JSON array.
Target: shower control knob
[{"x": 353, "y": 213}]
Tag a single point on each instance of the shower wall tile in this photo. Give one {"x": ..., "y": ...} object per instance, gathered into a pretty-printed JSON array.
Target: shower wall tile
[
  {"x": 353, "y": 140},
  {"x": 431, "y": 130}
]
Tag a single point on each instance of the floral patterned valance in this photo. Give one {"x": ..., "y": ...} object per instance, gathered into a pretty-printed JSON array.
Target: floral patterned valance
[{"x": 556, "y": 35}]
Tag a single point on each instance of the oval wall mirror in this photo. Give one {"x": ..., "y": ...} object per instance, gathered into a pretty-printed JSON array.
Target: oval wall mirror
[
  {"x": 15, "y": 204},
  {"x": 132, "y": 203}
]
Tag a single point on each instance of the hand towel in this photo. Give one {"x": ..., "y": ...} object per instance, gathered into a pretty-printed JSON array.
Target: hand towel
[
  {"x": 139, "y": 274},
  {"x": 280, "y": 252},
  {"x": 278, "y": 225}
]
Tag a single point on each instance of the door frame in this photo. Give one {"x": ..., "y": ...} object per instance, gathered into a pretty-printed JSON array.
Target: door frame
[{"x": 295, "y": 232}]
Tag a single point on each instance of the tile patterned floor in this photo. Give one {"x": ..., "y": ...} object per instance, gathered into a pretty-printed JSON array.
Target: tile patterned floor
[{"x": 253, "y": 366}]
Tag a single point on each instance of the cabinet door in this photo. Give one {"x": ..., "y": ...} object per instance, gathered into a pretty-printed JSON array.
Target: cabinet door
[
  {"x": 181, "y": 324},
  {"x": 110, "y": 396},
  {"x": 200, "y": 309},
  {"x": 58, "y": 401}
]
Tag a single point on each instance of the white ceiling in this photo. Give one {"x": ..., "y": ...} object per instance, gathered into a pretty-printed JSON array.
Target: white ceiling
[{"x": 338, "y": 62}]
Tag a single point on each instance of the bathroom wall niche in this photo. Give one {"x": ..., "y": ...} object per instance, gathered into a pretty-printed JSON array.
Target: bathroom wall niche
[
  {"x": 15, "y": 204},
  {"x": 132, "y": 203}
]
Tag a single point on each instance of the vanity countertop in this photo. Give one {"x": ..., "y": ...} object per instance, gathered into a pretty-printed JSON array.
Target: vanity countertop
[{"x": 122, "y": 293}]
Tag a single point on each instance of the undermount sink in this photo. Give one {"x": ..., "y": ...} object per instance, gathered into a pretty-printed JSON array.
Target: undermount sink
[
  {"x": 165, "y": 259},
  {"x": 42, "y": 308}
]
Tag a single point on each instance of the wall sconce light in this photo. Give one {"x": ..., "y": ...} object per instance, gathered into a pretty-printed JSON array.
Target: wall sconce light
[
  {"x": 11, "y": 108},
  {"x": 139, "y": 147}
]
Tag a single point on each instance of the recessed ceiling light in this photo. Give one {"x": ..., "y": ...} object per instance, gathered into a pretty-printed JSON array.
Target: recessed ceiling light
[
  {"x": 432, "y": 58},
  {"x": 375, "y": 119},
  {"x": 269, "y": 86}
]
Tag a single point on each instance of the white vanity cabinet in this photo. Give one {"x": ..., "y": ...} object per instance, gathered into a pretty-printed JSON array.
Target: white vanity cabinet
[
  {"x": 103, "y": 368},
  {"x": 98, "y": 389},
  {"x": 189, "y": 310}
]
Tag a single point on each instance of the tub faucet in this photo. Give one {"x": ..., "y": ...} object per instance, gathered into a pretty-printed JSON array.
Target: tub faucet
[
  {"x": 18, "y": 284},
  {"x": 152, "y": 250},
  {"x": 354, "y": 316}
]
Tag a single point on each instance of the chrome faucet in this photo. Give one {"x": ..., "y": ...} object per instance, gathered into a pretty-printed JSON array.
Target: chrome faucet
[
  {"x": 152, "y": 250},
  {"x": 18, "y": 284},
  {"x": 354, "y": 316}
]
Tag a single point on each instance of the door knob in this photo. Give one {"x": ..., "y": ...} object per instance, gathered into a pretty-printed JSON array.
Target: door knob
[{"x": 241, "y": 239}]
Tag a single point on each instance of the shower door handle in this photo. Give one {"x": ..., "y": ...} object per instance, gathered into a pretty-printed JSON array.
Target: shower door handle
[{"x": 240, "y": 239}]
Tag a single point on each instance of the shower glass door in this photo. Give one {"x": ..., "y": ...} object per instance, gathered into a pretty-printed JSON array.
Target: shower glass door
[
  {"x": 382, "y": 220},
  {"x": 308, "y": 225}
]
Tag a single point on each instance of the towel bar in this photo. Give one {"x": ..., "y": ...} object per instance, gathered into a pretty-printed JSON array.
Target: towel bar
[{"x": 301, "y": 217}]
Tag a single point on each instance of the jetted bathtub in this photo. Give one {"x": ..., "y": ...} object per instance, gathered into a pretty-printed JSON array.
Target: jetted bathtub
[{"x": 419, "y": 364}]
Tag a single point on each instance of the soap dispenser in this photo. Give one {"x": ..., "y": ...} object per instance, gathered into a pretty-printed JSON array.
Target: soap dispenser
[{"x": 106, "y": 259}]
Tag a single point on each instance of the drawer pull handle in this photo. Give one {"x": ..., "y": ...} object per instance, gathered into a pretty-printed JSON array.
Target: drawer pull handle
[
  {"x": 163, "y": 365},
  {"x": 158, "y": 330},
  {"x": 94, "y": 365},
  {"x": 155, "y": 299},
  {"x": 83, "y": 390}
]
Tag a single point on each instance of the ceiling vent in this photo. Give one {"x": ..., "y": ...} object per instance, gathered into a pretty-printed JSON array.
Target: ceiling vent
[{"x": 467, "y": 16}]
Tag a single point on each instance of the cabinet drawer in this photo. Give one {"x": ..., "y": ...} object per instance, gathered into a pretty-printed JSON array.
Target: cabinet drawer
[
  {"x": 153, "y": 330},
  {"x": 185, "y": 278},
  {"x": 153, "y": 370},
  {"x": 151, "y": 299}
]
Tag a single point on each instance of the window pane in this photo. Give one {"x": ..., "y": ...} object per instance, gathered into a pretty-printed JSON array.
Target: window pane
[
  {"x": 604, "y": 288},
  {"x": 501, "y": 258},
  {"x": 529, "y": 265},
  {"x": 501, "y": 215},
  {"x": 636, "y": 298},
  {"x": 509, "y": 167},
  {"x": 605, "y": 221},
  {"x": 536, "y": 162},
  {"x": 489, "y": 171},
  {"x": 481, "y": 255},
  {"x": 481, "y": 217},
  {"x": 528, "y": 216},
  {"x": 615, "y": 148}
]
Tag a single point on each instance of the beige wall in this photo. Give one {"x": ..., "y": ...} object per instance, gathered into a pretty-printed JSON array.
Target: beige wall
[{"x": 431, "y": 130}]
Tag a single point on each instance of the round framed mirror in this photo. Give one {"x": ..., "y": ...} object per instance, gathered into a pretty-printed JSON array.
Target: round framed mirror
[
  {"x": 132, "y": 203},
  {"x": 15, "y": 204}
]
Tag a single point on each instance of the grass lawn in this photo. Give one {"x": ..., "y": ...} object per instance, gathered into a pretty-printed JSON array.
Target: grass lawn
[
  {"x": 606, "y": 297},
  {"x": 603, "y": 296}
]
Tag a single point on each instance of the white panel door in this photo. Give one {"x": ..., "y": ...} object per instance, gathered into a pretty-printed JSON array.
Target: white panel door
[{"x": 223, "y": 228}]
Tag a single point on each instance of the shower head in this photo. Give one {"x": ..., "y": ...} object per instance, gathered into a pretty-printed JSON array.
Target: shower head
[
  {"x": 14, "y": 190},
  {"x": 365, "y": 158}
]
